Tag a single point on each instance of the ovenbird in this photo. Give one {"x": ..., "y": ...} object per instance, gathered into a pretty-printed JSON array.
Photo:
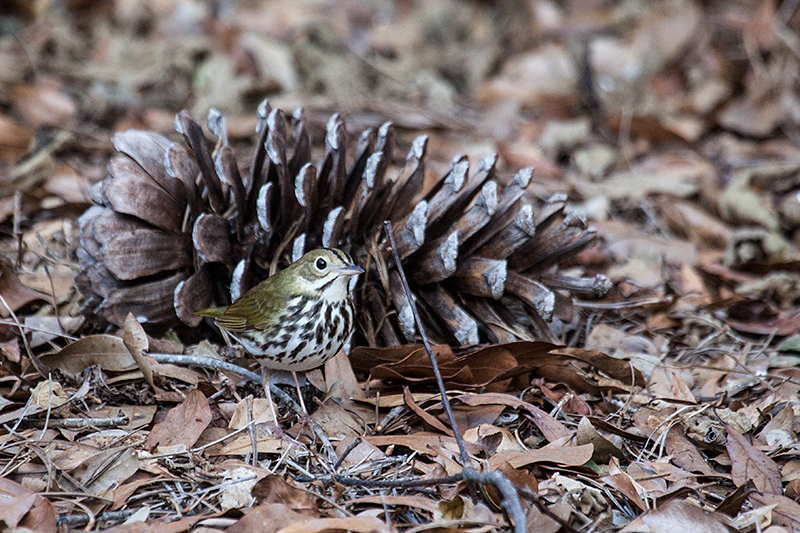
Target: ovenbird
[{"x": 298, "y": 318}]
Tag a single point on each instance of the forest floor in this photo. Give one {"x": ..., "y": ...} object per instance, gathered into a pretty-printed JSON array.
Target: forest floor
[{"x": 669, "y": 402}]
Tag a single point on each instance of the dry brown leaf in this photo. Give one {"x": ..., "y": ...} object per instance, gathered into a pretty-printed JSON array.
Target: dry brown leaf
[
  {"x": 518, "y": 476},
  {"x": 15, "y": 294},
  {"x": 463, "y": 509},
  {"x": 125, "y": 490},
  {"x": 135, "y": 340},
  {"x": 274, "y": 489},
  {"x": 603, "y": 448},
  {"x": 26, "y": 510},
  {"x": 561, "y": 455},
  {"x": 417, "y": 502},
  {"x": 357, "y": 524},
  {"x": 424, "y": 415},
  {"x": 749, "y": 463},
  {"x": 104, "y": 470},
  {"x": 14, "y": 138},
  {"x": 10, "y": 350},
  {"x": 471, "y": 368},
  {"x": 336, "y": 421},
  {"x": 779, "y": 431},
  {"x": 618, "y": 369},
  {"x": 43, "y": 104},
  {"x": 786, "y": 513},
  {"x": 685, "y": 454},
  {"x": 680, "y": 390},
  {"x": 364, "y": 451},
  {"x": 563, "y": 396},
  {"x": 48, "y": 394},
  {"x": 551, "y": 428},
  {"x": 183, "y": 424},
  {"x": 540, "y": 523},
  {"x": 180, "y": 373},
  {"x": 242, "y": 445},
  {"x": 267, "y": 518},
  {"x": 105, "y": 350},
  {"x": 625, "y": 484},
  {"x": 261, "y": 413},
  {"x": 780, "y": 324},
  {"x": 493, "y": 439},
  {"x": 680, "y": 515},
  {"x": 58, "y": 280},
  {"x": 340, "y": 379}
]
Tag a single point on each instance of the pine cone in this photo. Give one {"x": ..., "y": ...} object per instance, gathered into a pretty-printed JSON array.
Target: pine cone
[{"x": 179, "y": 228}]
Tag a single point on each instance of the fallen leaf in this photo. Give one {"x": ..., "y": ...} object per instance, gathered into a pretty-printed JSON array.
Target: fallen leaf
[
  {"x": 625, "y": 484},
  {"x": 267, "y": 518},
  {"x": 603, "y": 448},
  {"x": 15, "y": 294},
  {"x": 183, "y": 424},
  {"x": 786, "y": 513},
  {"x": 749, "y": 463},
  {"x": 105, "y": 350},
  {"x": 274, "y": 489},
  {"x": 424, "y": 415},
  {"x": 104, "y": 470},
  {"x": 679, "y": 515},
  {"x": 23, "y": 510},
  {"x": 551, "y": 428},
  {"x": 561, "y": 455},
  {"x": 135, "y": 340},
  {"x": 357, "y": 524}
]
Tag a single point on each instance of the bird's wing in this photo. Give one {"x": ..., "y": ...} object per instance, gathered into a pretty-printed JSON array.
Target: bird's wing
[
  {"x": 214, "y": 312},
  {"x": 254, "y": 310}
]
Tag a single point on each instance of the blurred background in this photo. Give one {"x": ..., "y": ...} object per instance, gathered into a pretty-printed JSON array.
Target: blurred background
[{"x": 558, "y": 84}]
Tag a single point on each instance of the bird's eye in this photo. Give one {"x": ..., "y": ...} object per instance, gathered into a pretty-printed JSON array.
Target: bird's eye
[{"x": 321, "y": 264}]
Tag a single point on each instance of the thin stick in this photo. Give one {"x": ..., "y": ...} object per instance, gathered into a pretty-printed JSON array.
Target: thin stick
[
  {"x": 253, "y": 439},
  {"x": 37, "y": 364},
  {"x": 508, "y": 491},
  {"x": 210, "y": 362},
  {"x": 462, "y": 449}
]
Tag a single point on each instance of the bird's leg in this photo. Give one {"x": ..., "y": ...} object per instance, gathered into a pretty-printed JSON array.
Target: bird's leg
[
  {"x": 265, "y": 379},
  {"x": 305, "y": 417}
]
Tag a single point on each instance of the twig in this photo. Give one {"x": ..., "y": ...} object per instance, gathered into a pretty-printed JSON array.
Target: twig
[
  {"x": 537, "y": 502},
  {"x": 13, "y": 430},
  {"x": 210, "y": 362},
  {"x": 509, "y": 500},
  {"x": 49, "y": 403},
  {"x": 81, "y": 519},
  {"x": 253, "y": 439},
  {"x": 79, "y": 423},
  {"x": 508, "y": 491},
  {"x": 37, "y": 364},
  {"x": 16, "y": 225},
  {"x": 462, "y": 449},
  {"x": 398, "y": 483},
  {"x": 346, "y": 452}
]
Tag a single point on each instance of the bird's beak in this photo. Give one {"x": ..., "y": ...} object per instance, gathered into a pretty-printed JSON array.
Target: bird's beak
[{"x": 350, "y": 270}]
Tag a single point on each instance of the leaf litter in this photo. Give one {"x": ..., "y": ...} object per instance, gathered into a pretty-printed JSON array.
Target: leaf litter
[{"x": 670, "y": 403}]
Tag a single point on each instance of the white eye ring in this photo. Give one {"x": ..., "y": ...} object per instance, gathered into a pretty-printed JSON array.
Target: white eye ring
[{"x": 321, "y": 264}]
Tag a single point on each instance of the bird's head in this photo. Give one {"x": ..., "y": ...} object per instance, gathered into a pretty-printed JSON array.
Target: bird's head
[{"x": 325, "y": 272}]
